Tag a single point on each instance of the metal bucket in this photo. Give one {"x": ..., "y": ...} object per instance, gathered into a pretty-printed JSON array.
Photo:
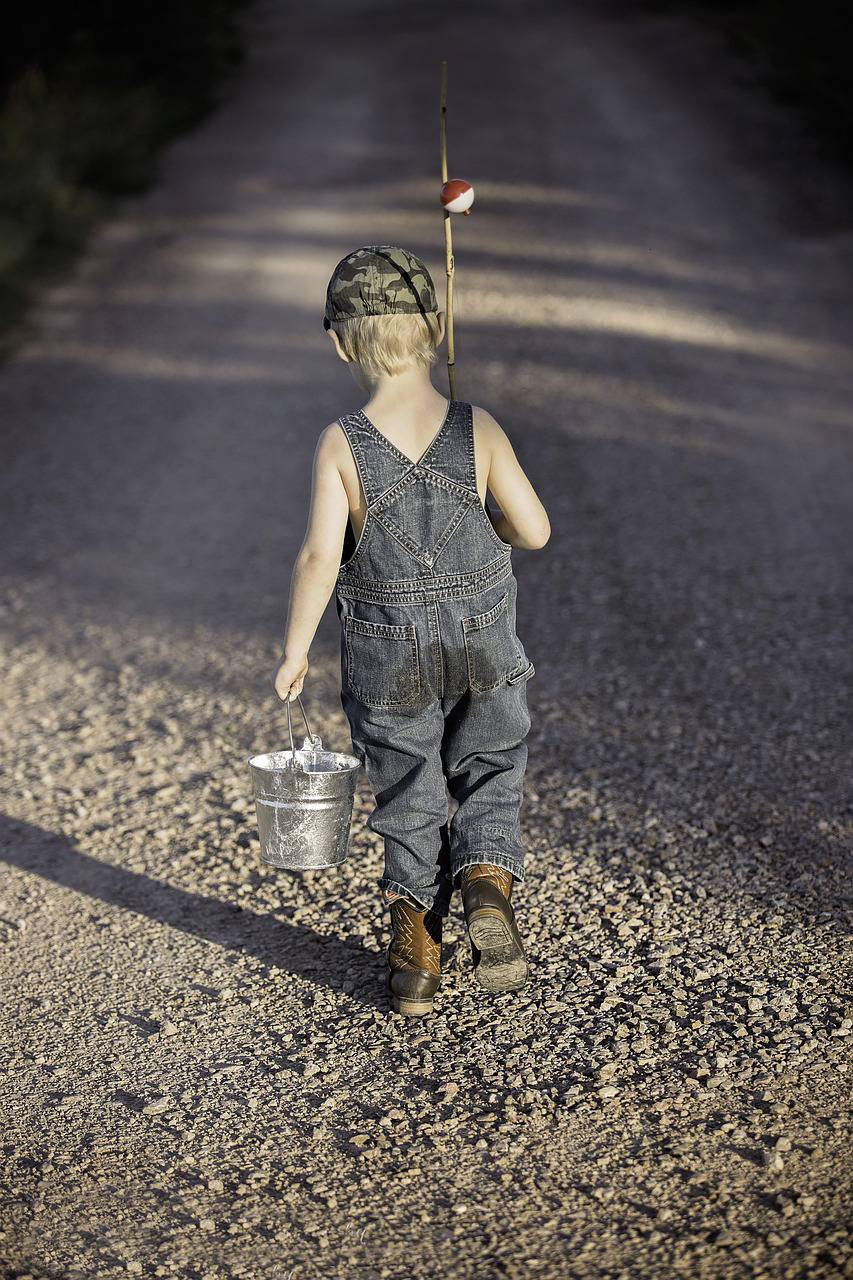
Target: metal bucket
[{"x": 304, "y": 802}]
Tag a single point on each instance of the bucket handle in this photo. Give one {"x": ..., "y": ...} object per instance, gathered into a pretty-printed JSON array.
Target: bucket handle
[{"x": 290, "y": 728}]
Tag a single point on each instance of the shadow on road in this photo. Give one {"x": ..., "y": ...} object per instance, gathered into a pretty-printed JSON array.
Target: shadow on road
[{"x": 290, "y": 948}]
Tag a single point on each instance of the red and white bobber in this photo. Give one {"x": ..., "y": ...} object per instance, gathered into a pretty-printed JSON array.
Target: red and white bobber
[{"x": 457, "y": 196}]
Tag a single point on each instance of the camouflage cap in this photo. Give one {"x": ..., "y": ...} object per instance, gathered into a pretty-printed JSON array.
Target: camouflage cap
[{"x": 378, "y": 280}]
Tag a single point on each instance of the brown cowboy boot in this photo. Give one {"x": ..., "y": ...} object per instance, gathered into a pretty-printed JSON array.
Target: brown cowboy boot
[
  {"x": 498, "y": 952},
  {"x": 413, "y": 957}
]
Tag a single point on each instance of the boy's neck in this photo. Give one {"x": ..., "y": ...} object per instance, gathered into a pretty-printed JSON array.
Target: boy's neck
[{"x": 411, "y": 386}]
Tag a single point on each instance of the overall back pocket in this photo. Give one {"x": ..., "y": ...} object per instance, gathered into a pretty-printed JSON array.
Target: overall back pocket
[
  {"x": 492, "y": 650},
  {"x": 383, "y": 669}
]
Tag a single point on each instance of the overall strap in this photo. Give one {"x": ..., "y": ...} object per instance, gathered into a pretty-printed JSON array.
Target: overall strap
[
  {"x": 452, "y": 455},
  {"x": 378, "y": 467}
]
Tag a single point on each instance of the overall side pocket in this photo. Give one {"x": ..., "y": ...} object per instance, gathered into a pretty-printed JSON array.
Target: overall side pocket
[
  {"x": 383, "y": 667},
  {"x": 522, "y": 672}
]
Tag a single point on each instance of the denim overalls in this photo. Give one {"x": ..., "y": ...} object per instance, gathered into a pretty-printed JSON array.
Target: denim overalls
[{"x": 433, "y": 673}]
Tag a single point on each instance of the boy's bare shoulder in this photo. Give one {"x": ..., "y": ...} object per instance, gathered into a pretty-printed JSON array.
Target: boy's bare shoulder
[
  {"x": 332, "y": 447},
  {"x": 486, "y": 428}
]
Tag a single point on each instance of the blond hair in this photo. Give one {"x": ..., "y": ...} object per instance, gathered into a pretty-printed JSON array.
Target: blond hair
[{"x": 389, "y": 344}]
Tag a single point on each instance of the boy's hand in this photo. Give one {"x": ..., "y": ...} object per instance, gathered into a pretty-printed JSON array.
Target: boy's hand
[{"x": 290, "y": 677}]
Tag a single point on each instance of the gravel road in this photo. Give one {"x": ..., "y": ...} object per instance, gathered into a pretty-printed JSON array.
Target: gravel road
[{"x": 654, "y": 298}]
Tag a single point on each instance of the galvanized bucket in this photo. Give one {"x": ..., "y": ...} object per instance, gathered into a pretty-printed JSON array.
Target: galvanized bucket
[{"x": 304, "y": 802}]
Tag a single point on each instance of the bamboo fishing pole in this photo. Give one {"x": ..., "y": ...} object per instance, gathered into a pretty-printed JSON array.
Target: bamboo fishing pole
[
  {"x": 448, "y": 239},
  {"x": 457, "y": 196}
]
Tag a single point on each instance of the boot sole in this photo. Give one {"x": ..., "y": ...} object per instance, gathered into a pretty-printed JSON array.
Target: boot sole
[
  {"x": 411, "y": 1008},
  {"x": 502, "y": 965}
]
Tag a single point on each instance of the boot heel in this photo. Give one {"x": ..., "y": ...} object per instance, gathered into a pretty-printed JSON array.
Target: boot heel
[
  {"x": 411, "y": 1008},
  {"x": 502, "y": 964},
  {"x": 488, "y": 930}
]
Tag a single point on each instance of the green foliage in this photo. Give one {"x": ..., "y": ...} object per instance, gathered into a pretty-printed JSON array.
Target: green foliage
[{"x": 91, "y": 90}]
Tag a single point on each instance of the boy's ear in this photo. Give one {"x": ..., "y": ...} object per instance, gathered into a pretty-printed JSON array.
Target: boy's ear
[
  {"x": 442, "y": 326},
  {"x": 336, "y": 343}
]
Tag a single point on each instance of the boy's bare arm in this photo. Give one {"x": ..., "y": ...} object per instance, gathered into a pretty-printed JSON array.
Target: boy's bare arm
[
  {"x": 316, "y": 568},
  {"x": 522, "y": 520}
]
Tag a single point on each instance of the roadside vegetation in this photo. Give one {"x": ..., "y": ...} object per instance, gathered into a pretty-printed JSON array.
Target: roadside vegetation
[{"x": 89, "y": 92}]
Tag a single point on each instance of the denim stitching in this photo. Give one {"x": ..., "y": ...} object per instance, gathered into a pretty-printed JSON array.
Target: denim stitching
[
  {"x": 422, "y": 590},
  {"x": 392, "y": 448},
  {"x": 450, "y": 529},
  {"x": 403, "y": 889},
  {"x": 440, "y": 648},
  {"x": 353, "y": 436},
  {"x": 366, "y": 486},
  {"x": 420, "y": 597},
  {"x": 439, "y": 481},
  {"x": 469, "y": 447},
  {"x": 390, "y": 630},
  {"x": 403, "y": 538},
  {"x": 495, "y": 859},
  {"x": 485, "y": 619},
  {"x": 388, "y": 495},
  {"x": 517, "y": 677},
  {"x": 472, "y": 576},
  {"x": 409, "y": 637},
  {"x": 442, "y": 897},
  {"x": 472, "y": 627}
]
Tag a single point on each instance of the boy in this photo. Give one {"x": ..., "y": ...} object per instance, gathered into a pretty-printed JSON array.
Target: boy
[{"x": 433, "y": 673}]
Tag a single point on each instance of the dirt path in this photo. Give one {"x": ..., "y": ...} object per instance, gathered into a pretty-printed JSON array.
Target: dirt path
[{"x": 654, "y": 298}]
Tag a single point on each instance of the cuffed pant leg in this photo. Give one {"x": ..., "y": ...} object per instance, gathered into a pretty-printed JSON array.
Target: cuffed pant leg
[
  {"x": 485, "y": 756},
  {"x": 402, "y": 757}
]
